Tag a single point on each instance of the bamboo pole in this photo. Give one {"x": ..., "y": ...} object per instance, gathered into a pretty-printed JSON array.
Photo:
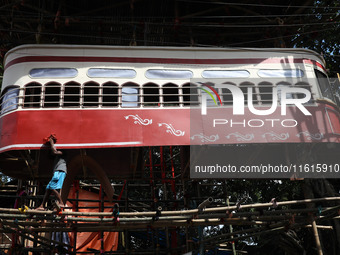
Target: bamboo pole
[
  {"x": 107, "y": 227},
  {"x": 19, "y": 228},
  {"x": 206, "y": 218},
  {"x": 270, "y": 215},
  {"x": 231, "y": 231},
  {"x": 203, "y": 219},
  {"x": 162, "y": 220},
  {"x": 317, "y": 239},
  {"x": 182, "y": 212},
  {"x": 137, "y": 225},
  {"x": 320, "y": 227}
]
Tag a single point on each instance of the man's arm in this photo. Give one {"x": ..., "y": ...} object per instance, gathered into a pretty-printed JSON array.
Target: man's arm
[{"x": 54, "y": 150}]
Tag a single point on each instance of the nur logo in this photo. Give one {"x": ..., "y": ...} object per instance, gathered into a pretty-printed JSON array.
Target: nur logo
[
  {"x": 239, "y": 103},
  {"x": 208, "y": 91}
]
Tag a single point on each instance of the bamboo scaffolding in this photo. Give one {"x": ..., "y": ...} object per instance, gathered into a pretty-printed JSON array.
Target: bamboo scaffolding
[
  {"x": 203, "y": 218},
  {"x": 274, "y": 230},
  {"x": 244, "y": 231},
  {"x": 262, "y": 220},
  {"x": 176, "y": 219},
  {"x": 94, "y": 226},
  {"x": 24, "y": 235},
  {"x": 182, "y": 212},
  {"x": 277, "y": 227},
  {"x": 15, "y": 228}
]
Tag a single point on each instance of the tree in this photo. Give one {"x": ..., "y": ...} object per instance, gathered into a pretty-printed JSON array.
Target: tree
[{"x": 324, "y": 37}]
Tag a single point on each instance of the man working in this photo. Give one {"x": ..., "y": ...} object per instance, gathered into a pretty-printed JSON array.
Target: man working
[{"x": 59, "y": 174}]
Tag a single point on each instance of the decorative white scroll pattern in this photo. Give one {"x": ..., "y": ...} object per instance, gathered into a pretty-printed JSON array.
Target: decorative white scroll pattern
[
  {"x": 309, "y": 136},
  {"x": 205, "y": 138},
  {"x": 240, "y": 137},
  {"x": 171, "y": 129},
  {"x": 275, "y": 136},
  {"x": 139, "y": 120}
]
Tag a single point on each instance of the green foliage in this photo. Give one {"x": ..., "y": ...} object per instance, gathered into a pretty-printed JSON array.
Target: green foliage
[{"x": 324, "y": 37}]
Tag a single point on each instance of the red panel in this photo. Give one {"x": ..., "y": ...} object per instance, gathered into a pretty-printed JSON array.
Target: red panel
[
  {"x": 97, "y": 128},
  {"x": 334, "y": 120},
  {"x": 8, "y": 129}
]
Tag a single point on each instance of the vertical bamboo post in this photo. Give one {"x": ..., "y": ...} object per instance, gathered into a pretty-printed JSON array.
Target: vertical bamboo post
[
  {"x": 31, "y": 190},
  {"x": 23, "y": 240},
  {"x": 200, "y": 228},
  {"x": 308, "y": 193},
  {"x": 101, "y": 203},
  {"x": 75, "y": 207},
  {"x": 165, "y": 192},
  {"x": 317, "y": 239},
  {"x": 126, "y": 232},
  {"x": 152, "y": 188},
  {"x": 231, "y": 230}
]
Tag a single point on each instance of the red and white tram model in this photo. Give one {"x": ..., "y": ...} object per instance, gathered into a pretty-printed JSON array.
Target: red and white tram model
[{"x": 109, "y": 101}]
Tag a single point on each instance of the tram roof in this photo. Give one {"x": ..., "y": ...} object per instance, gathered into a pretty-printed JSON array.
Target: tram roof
[{"x": 144, "y": 51}]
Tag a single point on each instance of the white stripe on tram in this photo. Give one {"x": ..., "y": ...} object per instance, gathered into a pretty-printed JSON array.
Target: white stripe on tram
[{"x": 35, "y": 145}]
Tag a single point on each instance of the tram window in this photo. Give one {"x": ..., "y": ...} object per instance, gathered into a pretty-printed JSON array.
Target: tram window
[
  {"x": 32, "y": 95},
  {"x": 52, "y": 94},
  {"x": 168, "y": 74},
  {"x": 190, "y": 95},
  {"x": 324, "y": 85},
  {"x": 225, "y": 74},
  {"x": 151, "y": 95},
  {"x": 266, "y": 92},
  {"x": 244, "y": 87},
  {"x": 9, "y": 100},
  {"x": 279, "y": 88},
  {"x": 170, "y": 95},
  {"x": 280, "y": 73},
  {"x": 91, "y": 94},
  {"x": 227, "y": 96},
  {"x": 304, "y": 85},
  {"x": 72, "y": 94},
  {"x": 111, "y": 73},
  {"x": 53, "y": 73},
  {"x": 110, "y": 94},
  {"x": 130, "y": 95}
]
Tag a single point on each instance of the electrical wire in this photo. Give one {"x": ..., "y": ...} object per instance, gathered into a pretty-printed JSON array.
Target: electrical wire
[
  {"x": 265, "y": 16},
  {"x": 138, "y": 20},
  {"x": 218, "y": 25},
  {"x": 279, "y": 37},
  {"x": 257, "y": 5},
  {"x": 165, "y": 43},
  {"x": 267, "y": 25},
  {"x": 27, "y": 14}
]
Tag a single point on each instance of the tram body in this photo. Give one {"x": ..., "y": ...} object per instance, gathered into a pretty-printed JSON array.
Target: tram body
[{"x": 110, "y": 100}]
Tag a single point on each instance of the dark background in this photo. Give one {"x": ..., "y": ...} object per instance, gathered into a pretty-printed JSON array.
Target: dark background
[{"x": 281, "y": 23}]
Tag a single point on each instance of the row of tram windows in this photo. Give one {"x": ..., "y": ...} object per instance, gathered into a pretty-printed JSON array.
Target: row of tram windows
[
  {"x": 91, "y": 94},
  {"x": 110, "y": 94}
]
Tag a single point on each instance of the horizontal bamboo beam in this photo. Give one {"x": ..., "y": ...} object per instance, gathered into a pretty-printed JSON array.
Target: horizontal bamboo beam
[
  {"x": 116, "y": 227},
  {"x": 173, "y": 213},
  {"x": 40, "y": 221},
  {"x": 321, "y": 227}
]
